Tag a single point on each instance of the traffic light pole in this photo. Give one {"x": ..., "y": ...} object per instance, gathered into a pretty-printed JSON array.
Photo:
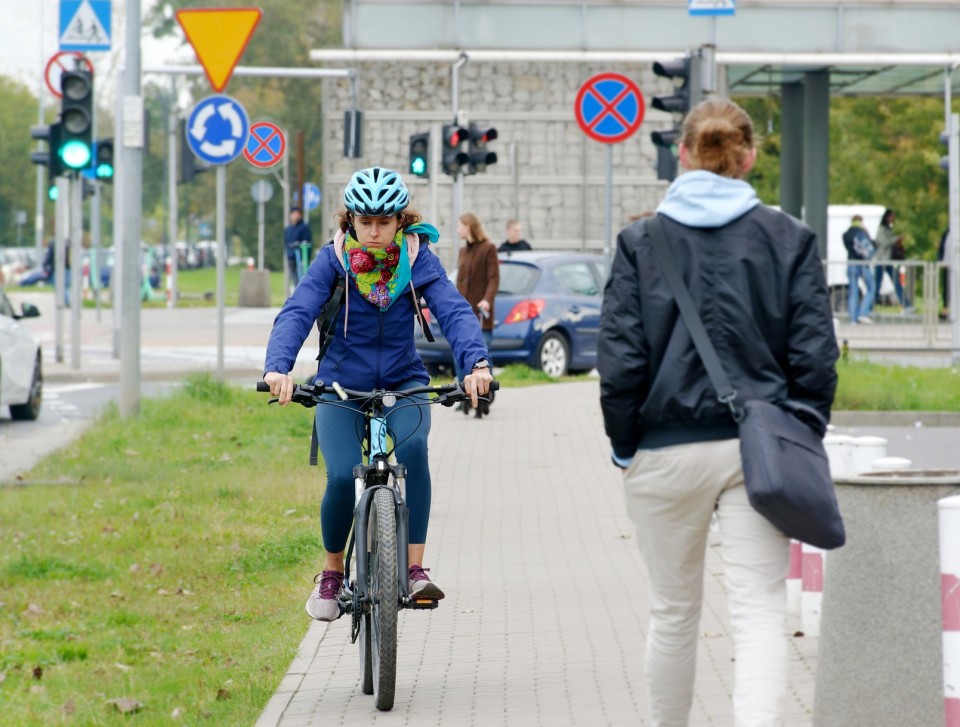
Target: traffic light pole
[
  {"x": 116, "y": 274},
  {"x": 953, "y": 247},
  {"x": 458, "y": 178},
  {"x": 60, "y": 261},
  {"x": 174, "y": 210},
  {"x": 76, "y": 268},
  {"x": 96, "y": 261}
]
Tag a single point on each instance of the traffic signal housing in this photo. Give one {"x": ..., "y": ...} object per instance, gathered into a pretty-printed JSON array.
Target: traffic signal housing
[
  {"x": 453, "y": 159},
  {"x": 49, "y": 158},
  {"x": 420, "y": 155},
  {"x": 76, "y": 118},
  {"x": 480, "y": 156},
  {"x": 667, "y": 143},
  {"x": 189, "y": 167},
  {"x": 103, "y": 163},
  {"x": 687, "y": 92}
]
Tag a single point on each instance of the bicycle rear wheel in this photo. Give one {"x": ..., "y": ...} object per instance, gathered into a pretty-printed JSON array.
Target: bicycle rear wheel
[{"x": 378, "y": 629}]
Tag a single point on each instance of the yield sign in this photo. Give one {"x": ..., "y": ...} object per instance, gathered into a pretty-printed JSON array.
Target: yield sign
[
  {"x": 609, "y": 107},
  {"x": 219, "y": 37}
]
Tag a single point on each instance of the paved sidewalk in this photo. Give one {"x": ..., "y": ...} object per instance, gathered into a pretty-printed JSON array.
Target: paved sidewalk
[{"x": 543, "y": 623}]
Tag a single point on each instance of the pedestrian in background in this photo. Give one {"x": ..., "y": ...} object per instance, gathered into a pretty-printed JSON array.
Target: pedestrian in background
[
  {"x": 944, "y": 275},
  {"x": 758, "y": 283},
  {"x": 478, "y": 277},
  {"x": 298, "y": 241},
  {"x": 860, "y": 250},
  {"x": 514, "y": 243},
  {"x": 889, "y": 245}
]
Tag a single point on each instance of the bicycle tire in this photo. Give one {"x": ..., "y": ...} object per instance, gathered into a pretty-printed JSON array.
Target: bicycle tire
[
  {"x": 366, "y": 656},
  {"x": 383, "y": 588}
]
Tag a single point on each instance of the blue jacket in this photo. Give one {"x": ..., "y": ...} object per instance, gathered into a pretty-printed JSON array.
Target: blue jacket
[
  {"x": 293, "y": 235},
  {"x": 373, "y": 348}
]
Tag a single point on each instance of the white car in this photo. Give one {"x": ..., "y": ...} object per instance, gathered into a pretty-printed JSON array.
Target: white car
[{"x": 21, "y": 374}]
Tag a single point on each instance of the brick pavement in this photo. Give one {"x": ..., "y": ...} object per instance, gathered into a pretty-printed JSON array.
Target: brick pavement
[{"x": 545, "y": 613}]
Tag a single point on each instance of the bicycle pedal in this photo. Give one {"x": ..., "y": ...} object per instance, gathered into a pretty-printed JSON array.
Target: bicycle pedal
[{"x": 422, "y": 603}]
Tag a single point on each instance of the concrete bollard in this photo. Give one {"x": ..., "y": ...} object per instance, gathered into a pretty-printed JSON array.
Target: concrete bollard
[
  {"x": 889, "y": 464},
  {"x": 879, "y": 661},
  {"x": 949, "y": 516},
  {"x": 811, "y": 599},
  {"x": 865, "y": 451},
  {"x": 839, "y": 449},
  {"x": 795, "y": 577}
]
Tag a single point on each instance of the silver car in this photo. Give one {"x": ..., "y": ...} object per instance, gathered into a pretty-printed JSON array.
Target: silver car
[{"x": 21, "y": 373}]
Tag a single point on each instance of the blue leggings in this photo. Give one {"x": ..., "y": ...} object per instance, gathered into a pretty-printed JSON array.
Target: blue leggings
[{"x": 339, "y": 432}]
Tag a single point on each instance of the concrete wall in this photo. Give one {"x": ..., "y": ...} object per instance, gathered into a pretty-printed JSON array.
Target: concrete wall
[{"x": 555, "y": 185}]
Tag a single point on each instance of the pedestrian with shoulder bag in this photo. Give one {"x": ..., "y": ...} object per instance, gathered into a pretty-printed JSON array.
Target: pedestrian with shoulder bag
[{"x": 716, "y": 357}]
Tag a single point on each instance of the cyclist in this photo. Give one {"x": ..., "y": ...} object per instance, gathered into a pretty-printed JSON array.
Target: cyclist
[{"x": 379, "y": 249}]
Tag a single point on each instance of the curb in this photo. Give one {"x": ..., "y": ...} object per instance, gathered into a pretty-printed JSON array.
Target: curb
[
  {"x": 895, "y": 418},
  {"x": 296, "y": 672}
]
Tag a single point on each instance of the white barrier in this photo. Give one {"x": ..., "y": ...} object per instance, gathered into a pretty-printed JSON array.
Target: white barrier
[
  {"x": 949, "y": 517},
  {"x": 865, "y": 451},
  {"x": 795, "y": 577},
  {"x": 811, "y": 599}
]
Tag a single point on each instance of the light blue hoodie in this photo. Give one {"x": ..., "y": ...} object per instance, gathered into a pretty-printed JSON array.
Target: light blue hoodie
[{"x": 705, "y": 199}]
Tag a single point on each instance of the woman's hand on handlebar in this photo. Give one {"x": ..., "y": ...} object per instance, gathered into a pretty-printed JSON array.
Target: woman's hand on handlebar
[
  {"x": 281, "y": 386},
  {"x": 477, "y": 383}
]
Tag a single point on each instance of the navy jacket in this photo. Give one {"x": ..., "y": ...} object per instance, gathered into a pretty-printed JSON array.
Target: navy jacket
[
  {"x": 373, "y": 348},
  {"x": 293, "y": 235}
]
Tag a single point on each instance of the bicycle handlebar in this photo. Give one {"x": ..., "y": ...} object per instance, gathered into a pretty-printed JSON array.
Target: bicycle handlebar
[{"x": 309, "y": 394}]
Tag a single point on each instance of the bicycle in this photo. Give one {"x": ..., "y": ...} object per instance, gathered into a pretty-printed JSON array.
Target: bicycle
[{"x": 379, "y": 536}]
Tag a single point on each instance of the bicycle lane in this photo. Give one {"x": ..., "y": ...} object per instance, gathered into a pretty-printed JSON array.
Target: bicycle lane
[{"x": 543, "y": 620}]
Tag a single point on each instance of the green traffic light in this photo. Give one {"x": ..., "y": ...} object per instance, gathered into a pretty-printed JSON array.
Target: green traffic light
[
  {"x": 75, "y": 154},
  {"x": 418, "y": 165},
  {"x": 53, "y": 193},
  {"x": 105, "y": 171}
]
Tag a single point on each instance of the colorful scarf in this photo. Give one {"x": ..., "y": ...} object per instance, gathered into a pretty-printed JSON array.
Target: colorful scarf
[{"x": 380, "y": 274}]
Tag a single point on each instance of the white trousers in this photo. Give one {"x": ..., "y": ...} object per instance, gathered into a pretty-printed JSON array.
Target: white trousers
[{"x": 671, "y": 494}]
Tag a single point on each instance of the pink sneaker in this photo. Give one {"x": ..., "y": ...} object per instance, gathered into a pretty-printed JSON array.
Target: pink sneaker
[{"x": 420, "y": 584}]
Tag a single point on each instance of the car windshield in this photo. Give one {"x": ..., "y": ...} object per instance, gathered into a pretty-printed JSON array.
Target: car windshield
[{"x": 516, "y": 278}]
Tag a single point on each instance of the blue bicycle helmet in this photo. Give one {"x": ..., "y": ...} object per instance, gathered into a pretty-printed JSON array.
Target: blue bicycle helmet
[{"x": 376, "y": 192}]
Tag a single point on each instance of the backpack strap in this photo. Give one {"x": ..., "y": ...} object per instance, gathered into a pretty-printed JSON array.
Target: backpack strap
[
  {"x": 328, "y": 317},
  {"x": 427, "y": 333}
]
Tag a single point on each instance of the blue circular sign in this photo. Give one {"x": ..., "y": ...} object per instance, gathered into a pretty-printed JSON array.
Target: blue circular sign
[
  {"x": 609, "y": 107},
  {"x": 311, "y": 196},
  {"x": 217, "y": 129}
]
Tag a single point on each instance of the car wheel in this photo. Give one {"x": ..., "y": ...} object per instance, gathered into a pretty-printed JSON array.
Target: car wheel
[
  {"x": 31, "y": 409},
  {"x": 553, "y": 354}
]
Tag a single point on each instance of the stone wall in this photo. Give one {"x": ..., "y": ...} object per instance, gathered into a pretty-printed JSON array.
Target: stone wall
[{"x": 549, "y": 174}]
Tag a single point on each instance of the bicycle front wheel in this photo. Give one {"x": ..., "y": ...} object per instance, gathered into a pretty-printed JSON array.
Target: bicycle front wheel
[{"x": 382, "y": 585}]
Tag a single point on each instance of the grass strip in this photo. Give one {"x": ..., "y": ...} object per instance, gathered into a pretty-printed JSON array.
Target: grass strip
[
  {"x": 173, "y": 575},
  {"x": 866, "y": 386}
]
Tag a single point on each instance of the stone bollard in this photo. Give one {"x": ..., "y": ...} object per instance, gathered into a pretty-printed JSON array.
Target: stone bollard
[
  {"x": 879, "y": 658},
  {"x": 950, "y": 594},
  {"x": 254, "y": 289}
]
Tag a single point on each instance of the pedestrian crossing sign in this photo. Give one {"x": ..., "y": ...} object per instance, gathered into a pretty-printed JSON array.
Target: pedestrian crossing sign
[
  {"x": 85, "y": 25},
  {"x": 712, "y": 7}
]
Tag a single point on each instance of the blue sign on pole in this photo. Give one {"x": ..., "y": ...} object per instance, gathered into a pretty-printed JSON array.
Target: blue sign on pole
[
  {"x": 84, "y": 25},
  {"x": 712, "y": 7},
  {"x": 217, "y": 129},
  {"x": 311, "y": 196}
]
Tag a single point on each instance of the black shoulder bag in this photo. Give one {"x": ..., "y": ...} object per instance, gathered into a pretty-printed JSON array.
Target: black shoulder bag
[{"x": 785, "y": 466}]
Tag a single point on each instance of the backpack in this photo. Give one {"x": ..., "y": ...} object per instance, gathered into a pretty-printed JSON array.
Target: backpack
[{"x": 326, "y": 322}]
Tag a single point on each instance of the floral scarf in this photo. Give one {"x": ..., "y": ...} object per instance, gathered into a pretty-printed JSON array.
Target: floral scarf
[{"x": 380, "y": 274}]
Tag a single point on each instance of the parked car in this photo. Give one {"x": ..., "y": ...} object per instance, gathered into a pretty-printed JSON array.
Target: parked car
[
  {"x": 15, "y": 263},
  {"x": 21, "y": 372},
  {"x": 546, "y": 315}
]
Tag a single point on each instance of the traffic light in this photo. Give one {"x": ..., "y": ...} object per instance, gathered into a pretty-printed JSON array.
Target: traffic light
[
  {"x": 480, "y": 157},
  {"x": 420, "y": 154},
  {"x": 454, "y": 159},
  {"x": 189, "y": 168},
  {"x": 667, "y": 143},
  {"x": 103, "y": 165},
  {"x": 49, "y": 158},
  {"x": 76, "y": 119}
]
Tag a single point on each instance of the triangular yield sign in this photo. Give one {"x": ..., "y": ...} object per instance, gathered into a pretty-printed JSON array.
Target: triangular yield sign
[{"x": 219, "y": 36}]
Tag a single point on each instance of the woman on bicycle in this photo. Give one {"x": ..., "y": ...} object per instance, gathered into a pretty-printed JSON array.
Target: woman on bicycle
[
  {"x": 380, "y": 250},
  {"x": 756, "y": 279}
]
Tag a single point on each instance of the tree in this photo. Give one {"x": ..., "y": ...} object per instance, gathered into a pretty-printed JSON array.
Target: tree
[{"x": 17, "y": 190}]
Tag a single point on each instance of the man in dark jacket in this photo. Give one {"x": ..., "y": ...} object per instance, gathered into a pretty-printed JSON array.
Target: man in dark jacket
[
  {"x": 860, "y": 249},
  {"x": 514, "y": 242},
  {"x": 298, "y": 241}
]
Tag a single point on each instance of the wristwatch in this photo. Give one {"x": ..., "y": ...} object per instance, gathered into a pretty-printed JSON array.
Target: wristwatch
[{"x": 481, "y": 364}]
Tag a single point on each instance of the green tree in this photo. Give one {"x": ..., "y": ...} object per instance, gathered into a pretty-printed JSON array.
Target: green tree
[{"x": 17, "y": 187}]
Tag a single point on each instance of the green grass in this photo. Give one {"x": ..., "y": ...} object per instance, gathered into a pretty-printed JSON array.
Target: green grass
[
  {"x": 171, "y": 571},
  {"x": 865, "y": 386}
]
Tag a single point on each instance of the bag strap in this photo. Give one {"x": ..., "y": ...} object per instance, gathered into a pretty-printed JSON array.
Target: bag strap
[
  {"x": 328, "y": 320},
  {"x": 688, "y": 311}
]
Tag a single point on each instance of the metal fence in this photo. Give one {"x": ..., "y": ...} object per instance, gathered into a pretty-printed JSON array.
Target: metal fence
[{"x": 911, "y": 315}]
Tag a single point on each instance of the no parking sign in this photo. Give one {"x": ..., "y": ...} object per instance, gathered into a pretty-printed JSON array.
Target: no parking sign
[{"x": 609, "y": 108}]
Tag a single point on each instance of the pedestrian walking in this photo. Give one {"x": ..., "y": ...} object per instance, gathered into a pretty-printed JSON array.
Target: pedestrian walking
[
  {"x": 514, "y": 241},
  {"x": 860, "y": 250},
  {"x": 298, "y": 243},
  {"x": 381, "y": 249},
  {"x": 889, "y": 248},
  {"x": 478, "y": 277},
  {"x": 757, "y": 282}
]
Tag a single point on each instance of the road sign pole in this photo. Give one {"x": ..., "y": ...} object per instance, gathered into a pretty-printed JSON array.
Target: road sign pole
[
  {"x": 172, "y": 194},
  {"x": 285, "y": 183},
  {"x": 76, "y": 268},
  {"x": 221, "y": 261},
  {"x": 953, "y": 259},
  {"x": 131, "y": 191},
  {"x": 95, "y": 259},
  {"x": 260, "y": 235},
  {"x": 116, "y": 277},
  {"x": 59, "y": 260},
  {"x": 608, "y": 209}
]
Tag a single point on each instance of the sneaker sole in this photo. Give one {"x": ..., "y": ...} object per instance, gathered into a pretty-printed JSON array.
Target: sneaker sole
[
  {"x": 429, "y": 591},
  {"x": 316, "y": 618}
]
